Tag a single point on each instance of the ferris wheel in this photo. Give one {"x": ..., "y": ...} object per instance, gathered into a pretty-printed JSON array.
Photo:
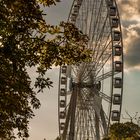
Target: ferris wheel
[{"x": 90, "y": 94}]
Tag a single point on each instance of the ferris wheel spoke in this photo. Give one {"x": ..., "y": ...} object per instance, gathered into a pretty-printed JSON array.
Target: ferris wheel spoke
[
  {"x": 94, "y": 66},
  {"x": 97, "y": 122},
  {"x": 86, "y": 68},
  {"x": 106, "y": 50},
  {"x": 99, "y": 46},
  {"x": 101, "y": 34},
  {"x": 91, "y": 20},
  {"x": 73, "y": 111},
  {"x": 76, "y": 70},
  {"x": 81, "y": 17},
  {"x": 106, "y": 41},
  {"x": 101, "y": 94},
  {"x": 91, "y": 121},
  {"x": 104, "y": 76},
  {"x": 67, "y": 122},
  {"x": 103, "y": 120},
  {"x": 90, "y": 117},
  {"x": 100, "y": 67},
  {"x": 84, "y": 124},
  {"x": 80, "y": 118},
  {"x": 85, "y": 9},
  {"x": 97, "y": 126},
  {"x": 97, "y": 18},
  {"x": 104, "y": 36},
  {"x": 105, "y": 97},
  {"x": 79, "y": 71},
  {"x": 102, "y": 47},
  {"x": 99, "y": 42},
  {"x": 83, "y": 69},
  {"x": 77, "y": 128},
  {"x": 88, "y": 72}
]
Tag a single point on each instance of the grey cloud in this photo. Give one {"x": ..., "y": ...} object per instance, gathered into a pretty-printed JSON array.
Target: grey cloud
[
  {"x": 132, "y": 37},
  {"x": 137, "y": 29},
  {"x": 132, "y": 56},
  {"x": 129, "y": 10},
  {"x": 130, "y": 18},
  {"x": 124, "y": 2},
  {"x": 125, "y": 32},
  {"x": 127, "y": 23}
]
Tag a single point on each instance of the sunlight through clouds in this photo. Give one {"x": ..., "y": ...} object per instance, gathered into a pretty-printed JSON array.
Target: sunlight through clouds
[
  {"x": 129, "y": 9},
  {"x": 130, "y": 17}
]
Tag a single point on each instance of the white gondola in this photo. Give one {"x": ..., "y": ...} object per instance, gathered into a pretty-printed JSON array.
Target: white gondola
[
  {"x": 114, "y": 22},
  {"x": 110, "y": 2},
  {"x": 118, "y": 66},
  {"x": 76, "y": 9},
  {"x": 62, "y": 126},
  {"x": 63, "y": 80},
  {"x": 117, "y": 82},
  {"x": 64, "y": 69},
  {"x": 73, "y": 17},
  {"x": 62, "y": 103},
  {"x": 79, "y": 2},
  {"x": 115, "y": 115},
  {"x": 117, "y": 50},
  {"x": 116, "y": 99},
  {"x": 62, "y": 115},
  {"x": 62, "y": 92},
  {"x": 112, "y": 11},
  {"x": 116, "y": 35}
]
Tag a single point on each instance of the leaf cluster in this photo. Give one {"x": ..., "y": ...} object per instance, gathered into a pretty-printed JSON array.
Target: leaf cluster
[
  {"x": 124, "y": 131},
  {"x": 48, "y": 2}
]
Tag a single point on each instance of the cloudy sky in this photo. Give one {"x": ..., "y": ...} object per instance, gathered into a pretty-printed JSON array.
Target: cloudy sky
[
  {"x": 45, "y": 124},
  {"x": 130, "y": 15}
]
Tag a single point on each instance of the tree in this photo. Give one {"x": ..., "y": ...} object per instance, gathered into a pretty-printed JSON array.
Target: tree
[
  {"x": 27, "y": 41},
  {"x": 124, "y": 131}
]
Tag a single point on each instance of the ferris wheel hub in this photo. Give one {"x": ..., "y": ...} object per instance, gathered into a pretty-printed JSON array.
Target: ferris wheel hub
[{"x": 96, "y": 86}]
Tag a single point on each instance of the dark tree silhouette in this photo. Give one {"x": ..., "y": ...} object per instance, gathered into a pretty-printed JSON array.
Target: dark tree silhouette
[{"x": 24, "y": 43}]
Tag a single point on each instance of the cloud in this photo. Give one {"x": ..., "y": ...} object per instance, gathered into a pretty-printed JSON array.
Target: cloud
[
  {"x": 132, "y": 45},
  {"x": 130, "y": 19},
  {"x": 132, "y": 56},
  {"x": 127, "y": 23},
  {"x": 129, "y": 9}
]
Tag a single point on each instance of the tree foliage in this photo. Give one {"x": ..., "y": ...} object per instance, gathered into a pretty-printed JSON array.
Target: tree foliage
[
  {"x": 124, "y": 131},
  {"x": 26, "y": 40}
]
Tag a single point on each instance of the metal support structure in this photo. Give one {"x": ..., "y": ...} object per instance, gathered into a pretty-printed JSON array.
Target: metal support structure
[{"x": 73, "y": 110}]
